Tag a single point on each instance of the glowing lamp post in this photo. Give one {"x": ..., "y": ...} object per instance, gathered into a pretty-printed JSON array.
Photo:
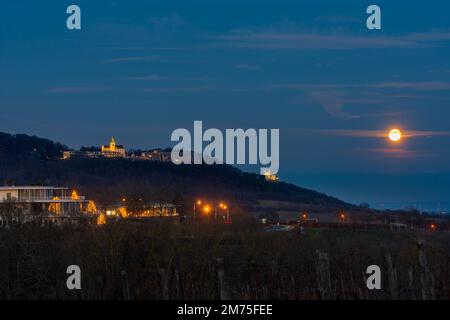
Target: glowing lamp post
[
  {"x": 197, "y": 203},
  {"x": 207, "y": 210},
  {"x": 225, "y": 207},
  {"x": 221, "y": 206}
]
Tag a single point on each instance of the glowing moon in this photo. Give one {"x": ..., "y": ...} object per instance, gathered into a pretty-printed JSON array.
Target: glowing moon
[{"x": 395, "y": 135}]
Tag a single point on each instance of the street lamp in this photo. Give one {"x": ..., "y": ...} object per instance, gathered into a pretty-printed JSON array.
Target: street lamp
[
  {"x": 198, "y": 203},
  {"x": 207, "y": 209},
  {"x": 223, "y": 206},
  {"x": 228, "y": 213}
]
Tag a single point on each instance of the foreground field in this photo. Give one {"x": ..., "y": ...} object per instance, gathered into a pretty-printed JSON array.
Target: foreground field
[{"x": 160, "y": 260}]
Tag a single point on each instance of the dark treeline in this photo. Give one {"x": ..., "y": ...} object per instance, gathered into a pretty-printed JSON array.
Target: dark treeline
[
  {"x": 22, "y": 146},
  {"x": 160, "y": 260}
]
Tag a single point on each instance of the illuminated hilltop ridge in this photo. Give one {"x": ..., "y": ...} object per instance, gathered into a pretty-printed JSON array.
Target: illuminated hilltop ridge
[
  {"x": 116, "y": 151},
  {"x": 29, "y": 160}
]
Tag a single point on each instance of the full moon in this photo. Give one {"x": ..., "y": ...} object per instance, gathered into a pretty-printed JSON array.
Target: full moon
[{"x": 395, "y": 135}]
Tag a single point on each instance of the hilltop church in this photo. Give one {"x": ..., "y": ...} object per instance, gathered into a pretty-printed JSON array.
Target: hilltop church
[{"x": 113, "y": 150}]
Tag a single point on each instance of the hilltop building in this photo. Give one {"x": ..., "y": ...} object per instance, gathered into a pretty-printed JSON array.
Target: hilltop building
[
  {"x": 113, "y": 150},
  {"x": 81, "y": 155},
  {"x": 155, "y": 155},
  {"x": 269, "y": 176}
]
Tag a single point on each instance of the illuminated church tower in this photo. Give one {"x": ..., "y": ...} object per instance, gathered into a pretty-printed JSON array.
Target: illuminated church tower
[
  {"x": 112, "y": 145},
  {"x": 113, "y": 150}
]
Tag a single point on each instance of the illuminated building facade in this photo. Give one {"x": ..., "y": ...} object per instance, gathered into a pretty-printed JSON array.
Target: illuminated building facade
[
  {"x": 148, "y": 210},
  {"x": 39, "y": 203},
  {"x": 155, "y": 155},
  {"x": 269, "y": 176},
  {"x": 113, "y": 150}
]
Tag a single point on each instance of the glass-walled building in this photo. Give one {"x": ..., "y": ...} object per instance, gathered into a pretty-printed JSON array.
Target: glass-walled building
[{"x": 40, "y": 202}]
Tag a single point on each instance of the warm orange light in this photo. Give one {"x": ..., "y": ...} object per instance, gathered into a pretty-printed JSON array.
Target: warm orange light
[
  {"x": 305, "y": 216},
  {"x": 91, "y": 208},
  {"x": 123, "y": 212},
  {"x": 199, "y": 202},
  {"x": 124, "y": 199},
  {"x": 101, "y": 219},
  {"x": 395, "y": 135},
  {"x": 270, "y": 176},
  {"x": 74, "y": 195},
  {"x": 432, "y": 226},
  {"x": 207, "y": 209},
  {"x": 55, "y": 207},
  {"x": 223, "y": 206}
]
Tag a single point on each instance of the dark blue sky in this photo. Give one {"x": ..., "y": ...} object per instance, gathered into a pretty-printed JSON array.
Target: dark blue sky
[{"x": 140, "y": 69}]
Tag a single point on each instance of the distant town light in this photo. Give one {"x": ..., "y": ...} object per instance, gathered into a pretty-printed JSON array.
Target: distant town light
[
  {"x": 269, "y": 176},
  {"x": 342, "y": 216}
]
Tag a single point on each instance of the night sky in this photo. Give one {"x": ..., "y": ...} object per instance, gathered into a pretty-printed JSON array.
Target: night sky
[{"x": 140, "y": 69}]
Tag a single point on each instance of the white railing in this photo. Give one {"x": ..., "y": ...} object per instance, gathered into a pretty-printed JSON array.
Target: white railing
[{"x": 31, "y": 199}]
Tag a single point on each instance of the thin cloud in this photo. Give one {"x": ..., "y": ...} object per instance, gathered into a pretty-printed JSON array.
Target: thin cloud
[
  {"x": 333, "y": 105},
  {"x": 419, "y": 86},
  {"x": 400, "y": 152},
  {"x": 248, "y": 67},
  {"x": 81, "y": 89},
  {"x": 417, "y": 134},
  {"x": 411, "y": 85},
  {"x": 296, "y": 41},
  {"x": 334, "y": 102},
  {"x": 133, "y": 59},
  {"x": 270, "y": 40},
  {"x": 168, "y": 22},
  {"x": 146, "y": 78},
  {"x": 367, "y": 133},
  {"x": 339, "y": 19},
  {"x": 177, "y": 89}
]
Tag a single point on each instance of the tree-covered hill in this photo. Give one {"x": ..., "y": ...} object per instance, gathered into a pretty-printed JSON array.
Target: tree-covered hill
[
  {"x": 22, "y": 146},
  {"x": 28, "y": 160}
]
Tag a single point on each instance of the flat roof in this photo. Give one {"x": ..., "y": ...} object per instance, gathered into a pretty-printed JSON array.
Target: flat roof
[{"x": 31, "y": 188}]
